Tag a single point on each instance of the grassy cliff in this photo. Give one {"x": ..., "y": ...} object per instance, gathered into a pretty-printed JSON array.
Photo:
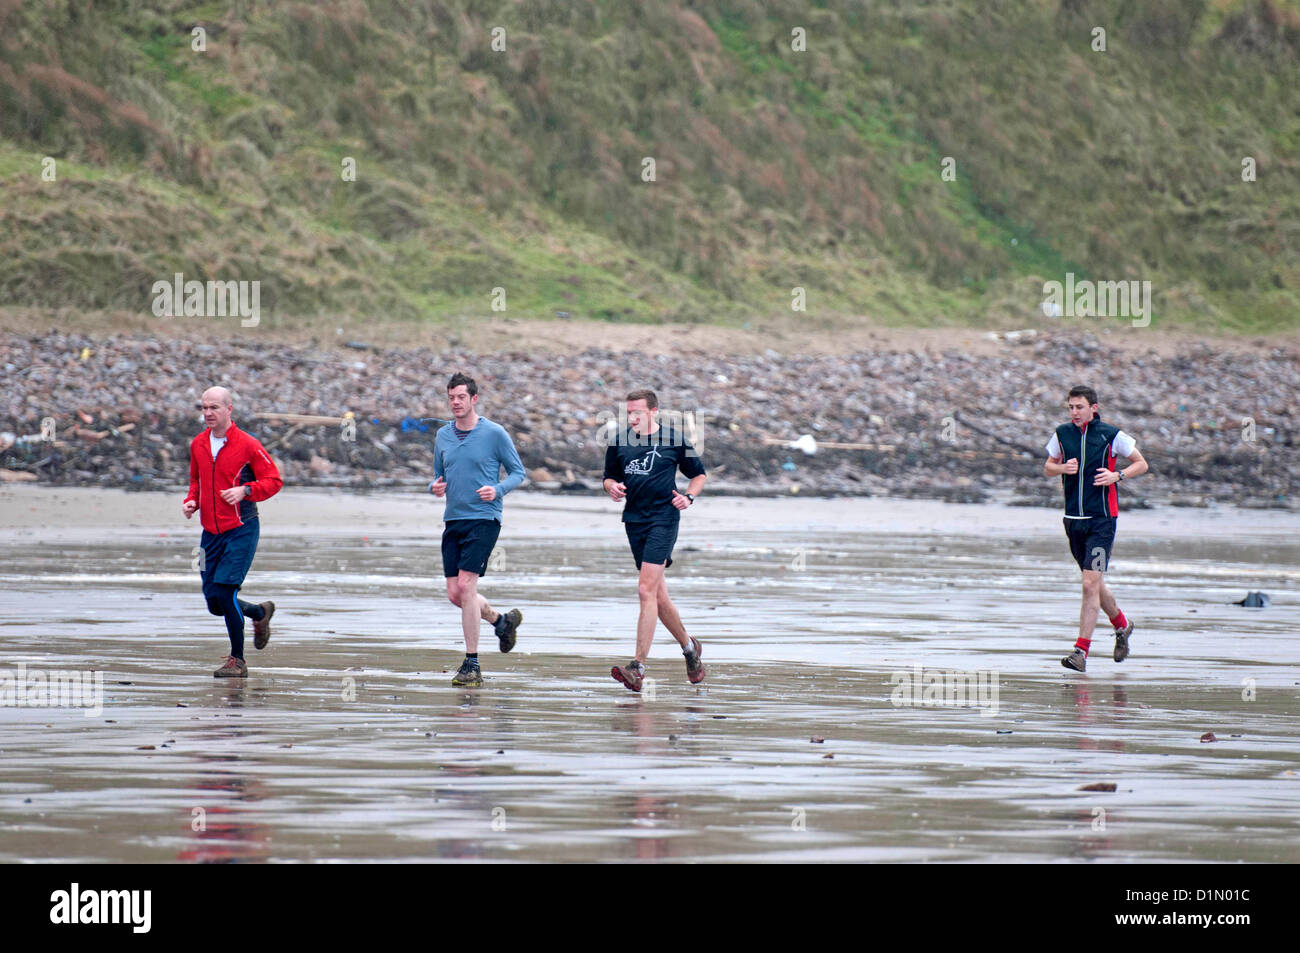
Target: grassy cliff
[{"x": 774, "y": 167}]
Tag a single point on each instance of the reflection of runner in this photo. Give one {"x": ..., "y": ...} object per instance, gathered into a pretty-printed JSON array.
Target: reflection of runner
[
  {"x": 468, "y": 454},
  {"x": 1082, "y": 448},
  {"x": 641, "y": 466},
  {"x": 230, "y": 473}
]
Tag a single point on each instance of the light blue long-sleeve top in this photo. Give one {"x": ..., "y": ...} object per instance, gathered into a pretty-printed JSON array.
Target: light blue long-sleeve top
[{"x": 474, "y": 462}]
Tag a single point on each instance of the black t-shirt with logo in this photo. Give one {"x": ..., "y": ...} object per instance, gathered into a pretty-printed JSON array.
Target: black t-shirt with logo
[{"x": 647, "y": 465}]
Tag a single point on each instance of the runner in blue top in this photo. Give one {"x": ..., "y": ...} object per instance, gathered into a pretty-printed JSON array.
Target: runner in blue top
[
  {"x": 468, "y": 455},
  {"x": 1087, "y": 446}
]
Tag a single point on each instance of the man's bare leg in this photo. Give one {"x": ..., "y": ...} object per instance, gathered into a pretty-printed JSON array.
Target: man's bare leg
[
  {"x": 1092, "y": 586},
  {"x": 669, "y": 617},
  {"x": 652, "y": 575},
  {"x": 1107, "y": 599},
  {"x": 473, "y": 607}
]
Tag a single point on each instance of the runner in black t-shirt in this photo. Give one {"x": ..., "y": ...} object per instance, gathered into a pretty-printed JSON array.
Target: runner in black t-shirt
[{"x": 641, "y": 467}]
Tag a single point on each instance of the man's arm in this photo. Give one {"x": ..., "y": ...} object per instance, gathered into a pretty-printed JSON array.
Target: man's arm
[
  {"x": 439, "y": 485},
  {"x": 192, "y": 498},
  {"x": 193, "y": 495},
  {"x": 1137, "y": 467},
  {"x": 683, "y": 500},
  {"x": 509, "y": 456},
  {"x": 266, "y": 475},
  {"x": 1054, "y": 467},
  {"x": 613, "y": 481}
]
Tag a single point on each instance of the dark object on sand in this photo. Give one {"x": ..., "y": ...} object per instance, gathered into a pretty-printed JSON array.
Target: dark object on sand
[
  {"x": 1254, "y": 600},
  {"x": 1208, "y": 737},
  {"x": 1099, "y": 786}
]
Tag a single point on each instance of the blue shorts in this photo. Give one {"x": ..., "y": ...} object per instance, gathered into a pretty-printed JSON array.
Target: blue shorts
[
  {"x": 652, "y": 542},
  {"x": 225, "y": 558},
  {"x": 467, "y": 546}
]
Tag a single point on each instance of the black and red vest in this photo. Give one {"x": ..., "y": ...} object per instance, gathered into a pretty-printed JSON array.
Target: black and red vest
[{"x": 1094, "y": 446}]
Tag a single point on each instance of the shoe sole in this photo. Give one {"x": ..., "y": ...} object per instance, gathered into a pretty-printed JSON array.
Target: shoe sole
[
  {"x": 260, "y": 639},
  {"x": 698, "y": 675},
  {"x": 620, "y": 677},
  {"x": 230, "y": 675},
  {"x": 507, "y": 642},
  {"x": 1066, "y": 663},
  {"x": 476, "y": 683}
]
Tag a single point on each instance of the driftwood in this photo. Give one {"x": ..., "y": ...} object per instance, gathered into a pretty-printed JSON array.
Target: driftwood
[
  {"x": 283, "y": 437},
  {"x": 306, "y": 420},
  {"x": 831, "y": 445},
  {"x": 892, "y": 448}
]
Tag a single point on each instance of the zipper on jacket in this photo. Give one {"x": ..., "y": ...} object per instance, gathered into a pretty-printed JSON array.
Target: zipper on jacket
[
  {"x": 1083, "y": 459},
  {"x": 216, "y": 520}
]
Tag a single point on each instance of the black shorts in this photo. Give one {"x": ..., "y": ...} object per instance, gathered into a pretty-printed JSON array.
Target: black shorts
[
  {"x": 1091, "y": 541},
  {"x": 652, "y": 542},
  {"x": 467, "y": 545}
]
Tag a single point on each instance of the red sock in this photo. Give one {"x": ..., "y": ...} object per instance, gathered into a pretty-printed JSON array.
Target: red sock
[
  {"x": 1084, "y": 644},
  {"x": 1118, "y": 621}
]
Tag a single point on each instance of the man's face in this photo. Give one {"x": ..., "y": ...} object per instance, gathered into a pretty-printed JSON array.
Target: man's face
[
  {"x": 462, "y": 402},
  {"x": 640, "y": 417},
  {"x": 216, "y": 411},
  {"x": 1080, "y": 410}
]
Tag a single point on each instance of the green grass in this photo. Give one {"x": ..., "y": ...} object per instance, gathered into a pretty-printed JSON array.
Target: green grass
[{"x": 778, "y": 169}]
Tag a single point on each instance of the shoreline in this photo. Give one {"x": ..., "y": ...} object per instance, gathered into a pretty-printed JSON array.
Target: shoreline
[
  {"x": 963, "y": 425},
  {"x": 91, "y": 513}
]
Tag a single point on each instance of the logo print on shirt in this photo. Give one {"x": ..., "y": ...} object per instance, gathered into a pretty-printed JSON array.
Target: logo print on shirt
[{"x": 646, "y": 464}]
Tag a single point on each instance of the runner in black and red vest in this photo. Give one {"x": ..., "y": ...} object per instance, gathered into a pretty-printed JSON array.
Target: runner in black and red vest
[
  {"x": 230, "y": 473},
  {"x": 1083, "y": 454}
]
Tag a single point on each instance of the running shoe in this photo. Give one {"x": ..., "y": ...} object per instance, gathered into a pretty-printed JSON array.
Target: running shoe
[
  {"x": 469, "y": 676},
  {"x": 694, "y": 667},
  {"x": 232, "y": 668},
  {"x": 1077, "y": 660},
  {"x": 1121, "y": 641},
  {"x": 505, "y": 627},
  {"x": 632, "y": 674},
  {"x": 262, "y": 626}
]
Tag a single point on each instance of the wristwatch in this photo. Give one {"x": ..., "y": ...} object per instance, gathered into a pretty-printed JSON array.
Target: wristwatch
[
  {"x": 1121, "y": 475},
  {"x": 689, "y": 497}
]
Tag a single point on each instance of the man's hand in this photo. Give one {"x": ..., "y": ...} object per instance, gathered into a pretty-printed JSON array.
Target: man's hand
[
  {"x": 1070, "y": 466},
  {"x": 235, "y": 494},
  {"x": 615, "y": 490},
  {"x": 1105, "y": 477},
  {"x": 438, "y": 487},
  {"x": 189, "y": 508},
  {"x": 487, "y": 493},
  {"x": 680, "y": 501}
]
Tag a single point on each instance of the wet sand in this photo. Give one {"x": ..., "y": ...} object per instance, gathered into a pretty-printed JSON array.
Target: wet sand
[{"x": 349, "y": 743}]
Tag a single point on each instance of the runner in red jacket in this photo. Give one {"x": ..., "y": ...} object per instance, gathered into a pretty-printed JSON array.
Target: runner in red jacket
[{"x": 230, "y": 473}]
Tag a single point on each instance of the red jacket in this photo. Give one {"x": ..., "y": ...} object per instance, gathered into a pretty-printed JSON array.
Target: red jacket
[{"x": 241, "y": 461}]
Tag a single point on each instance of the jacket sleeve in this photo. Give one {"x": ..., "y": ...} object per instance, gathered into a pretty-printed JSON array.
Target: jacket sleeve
[
  {"x": 509, "y": 457},
  {"x": 267, "y": 480},
  {"x": 194, "y": 478}
]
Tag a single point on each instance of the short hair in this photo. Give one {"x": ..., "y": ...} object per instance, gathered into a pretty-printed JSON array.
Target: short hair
[
  {"x": 458, "y": 378},
  {"x": 1078, "y": 390},
  {"x": 651, "y": 401}
]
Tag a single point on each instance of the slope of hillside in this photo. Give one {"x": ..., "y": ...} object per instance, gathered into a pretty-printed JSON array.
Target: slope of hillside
[{"x": 523, "y": 168}]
